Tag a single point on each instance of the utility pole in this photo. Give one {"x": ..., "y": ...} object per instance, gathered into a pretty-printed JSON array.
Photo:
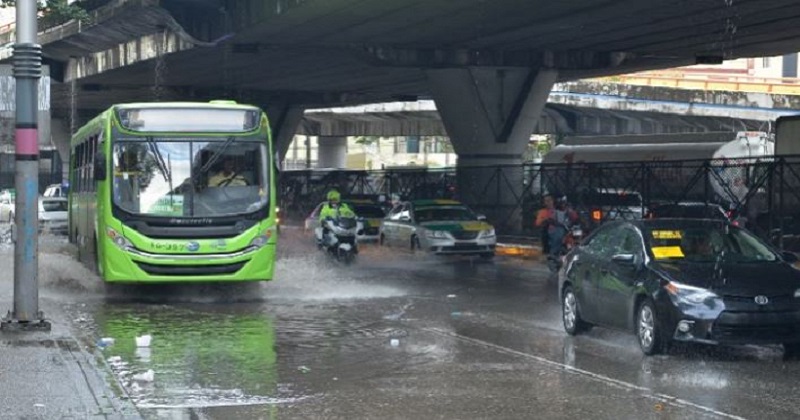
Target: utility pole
[{"x": 27, "y": 71}]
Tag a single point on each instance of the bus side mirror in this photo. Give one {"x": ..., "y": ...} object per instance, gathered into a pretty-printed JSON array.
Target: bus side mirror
[{"x": 100, "y": 166}]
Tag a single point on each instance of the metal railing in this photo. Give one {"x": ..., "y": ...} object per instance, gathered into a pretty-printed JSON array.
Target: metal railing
[
  {"x": 765, "y": 192},
  {"x": 714, "y": 82}
]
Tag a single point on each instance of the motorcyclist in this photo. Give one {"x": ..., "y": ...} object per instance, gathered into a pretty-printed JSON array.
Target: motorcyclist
[
  {"x": 556, "y": 217},
  {"x": 333, "y": 209}
]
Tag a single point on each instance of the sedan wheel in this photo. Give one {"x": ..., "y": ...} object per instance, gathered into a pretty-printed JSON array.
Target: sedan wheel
[
  {"x": 573, "y": 324},
  {"x": 648, "y": 331}
]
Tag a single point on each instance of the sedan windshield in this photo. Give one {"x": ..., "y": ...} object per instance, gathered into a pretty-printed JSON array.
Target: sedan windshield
[
  {"x": 707, "y": 242},
  {"x": 190, "y": 178},
  {"x": 430, "y": 214},
  {"x": 369, "y": 211}
]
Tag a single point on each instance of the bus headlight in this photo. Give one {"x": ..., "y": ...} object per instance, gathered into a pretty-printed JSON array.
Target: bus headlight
[
  {"x": 119, "y": 240},
  {"x": 259, "y": 241}
]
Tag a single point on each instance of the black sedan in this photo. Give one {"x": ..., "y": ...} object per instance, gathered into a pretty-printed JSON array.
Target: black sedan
[{"x": 686, "y": 280}]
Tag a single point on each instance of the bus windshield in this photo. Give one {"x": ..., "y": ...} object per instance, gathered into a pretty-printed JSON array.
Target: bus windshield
[{"x": 190, "y": 177}]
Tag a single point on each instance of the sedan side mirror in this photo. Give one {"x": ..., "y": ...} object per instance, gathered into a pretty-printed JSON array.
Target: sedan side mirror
[
  {"x": 790, "y": 257},
  {"x": 482, "y": 217},
  {"x": 628, "y": 260}
]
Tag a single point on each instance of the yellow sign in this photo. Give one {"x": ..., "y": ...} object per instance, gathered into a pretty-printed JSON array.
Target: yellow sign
[
  {"x": 666, "y": 234},
  {"x": 663, "y": 252}
]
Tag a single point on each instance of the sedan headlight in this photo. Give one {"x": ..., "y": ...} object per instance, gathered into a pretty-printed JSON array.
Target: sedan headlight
[
  {"x": 119, "y": 240},
  {"x": 690, "y": 294},
  {"x": 488, "y": 233},
  {"x": 437, "y": 234}
]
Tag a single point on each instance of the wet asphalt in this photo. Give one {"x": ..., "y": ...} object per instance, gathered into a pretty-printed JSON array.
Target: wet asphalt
[{"x": 402, "y": 336}]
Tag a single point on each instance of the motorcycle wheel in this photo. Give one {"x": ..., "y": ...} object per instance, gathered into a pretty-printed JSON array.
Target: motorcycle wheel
[{"x": 345, "y": 257}]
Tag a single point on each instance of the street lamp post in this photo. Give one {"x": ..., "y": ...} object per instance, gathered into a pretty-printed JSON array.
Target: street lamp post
[{"x": 27, "y": 71}]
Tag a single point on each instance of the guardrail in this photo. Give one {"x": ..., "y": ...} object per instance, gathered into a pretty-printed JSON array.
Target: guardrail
[{"x": 777, "y": 86}]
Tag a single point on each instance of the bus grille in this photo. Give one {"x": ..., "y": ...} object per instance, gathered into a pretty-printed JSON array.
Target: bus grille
[{"x": 189, "y": 270}]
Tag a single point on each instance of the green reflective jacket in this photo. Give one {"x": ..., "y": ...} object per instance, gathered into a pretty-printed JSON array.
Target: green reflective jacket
[{"x": 327, "y": 211}]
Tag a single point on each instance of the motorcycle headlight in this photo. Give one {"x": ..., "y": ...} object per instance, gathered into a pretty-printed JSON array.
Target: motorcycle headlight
[
  {"x": 437, "y": 234},
  {"x": 691, "y": 294},
  {"x": 119, "y": 240}
]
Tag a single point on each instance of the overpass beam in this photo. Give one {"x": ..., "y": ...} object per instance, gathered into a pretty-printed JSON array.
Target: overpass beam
[{"x": 490, "y": 114}]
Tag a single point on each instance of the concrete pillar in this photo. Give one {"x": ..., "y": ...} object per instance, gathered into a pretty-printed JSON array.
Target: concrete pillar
[
  {"x": 283, "y": 120},
  {"x": 490, "y": 115},
  {"x": 61, "y": 139},
  {"x": 331, "y": 152}
]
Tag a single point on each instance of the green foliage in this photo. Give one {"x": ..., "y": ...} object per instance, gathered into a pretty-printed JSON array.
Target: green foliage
[
  {"x": 54, "y": 12},
  {"x": 58, "y": 12}
]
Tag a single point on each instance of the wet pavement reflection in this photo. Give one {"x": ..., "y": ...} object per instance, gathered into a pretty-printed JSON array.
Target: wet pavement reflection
[{"x": 399, "y": 335}]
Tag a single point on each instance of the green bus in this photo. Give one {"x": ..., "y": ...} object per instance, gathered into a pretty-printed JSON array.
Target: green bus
[{"x": 175, "y": 192}]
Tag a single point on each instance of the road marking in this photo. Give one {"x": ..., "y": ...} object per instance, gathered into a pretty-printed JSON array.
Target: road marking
[{"x": 649, "y": 393}]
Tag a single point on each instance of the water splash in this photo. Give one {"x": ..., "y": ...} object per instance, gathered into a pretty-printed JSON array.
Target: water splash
[
  {"x": 316, "y": 278},
  {"x": 73, "y": 105},
  {"x": 160, "y": 70},
  {"x": 728, "y": 41}
]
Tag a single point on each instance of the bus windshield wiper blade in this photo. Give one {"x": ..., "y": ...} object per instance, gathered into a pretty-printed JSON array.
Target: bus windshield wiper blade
[
  {"x": 162, "y": 166},
  {"x": 215, "y": 157}
]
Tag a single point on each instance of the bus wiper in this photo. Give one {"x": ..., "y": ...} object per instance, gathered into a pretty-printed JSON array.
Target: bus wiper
[
  {"x": 215, "y": 157},
  {"x": 160, "y": 163}
]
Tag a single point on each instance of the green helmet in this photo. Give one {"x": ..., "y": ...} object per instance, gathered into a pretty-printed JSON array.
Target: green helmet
[{"x": 334, "y": 195}]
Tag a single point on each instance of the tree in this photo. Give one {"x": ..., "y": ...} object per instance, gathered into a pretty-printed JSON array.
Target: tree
[{"x": 54, "y": 12}]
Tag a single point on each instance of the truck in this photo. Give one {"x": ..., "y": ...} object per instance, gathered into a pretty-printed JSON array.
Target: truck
[{"x": 671, "y": 167}]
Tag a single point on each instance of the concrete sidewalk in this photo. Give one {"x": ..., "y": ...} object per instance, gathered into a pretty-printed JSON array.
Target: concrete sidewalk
[{"x": 52, "y": 375}]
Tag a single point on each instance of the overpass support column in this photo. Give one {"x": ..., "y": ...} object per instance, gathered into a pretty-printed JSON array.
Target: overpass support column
[
  {"x": 332, "y": 152},
  {"x": 490, "y": 114},
  {"x": 283, "y": 121}
]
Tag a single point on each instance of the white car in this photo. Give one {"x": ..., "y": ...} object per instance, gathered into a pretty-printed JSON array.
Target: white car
[
  {"x": 6, "y": 207},
  {"x": 53, "y": 215}
]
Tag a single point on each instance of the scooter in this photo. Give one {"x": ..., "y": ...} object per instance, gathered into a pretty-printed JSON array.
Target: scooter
[
  {"x": 571, "y": 239},
  {"x": 338, "y": 238}
]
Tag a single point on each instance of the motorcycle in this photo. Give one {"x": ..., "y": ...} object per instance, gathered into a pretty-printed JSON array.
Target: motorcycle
[
  {"x": 338, "y": 238},
  {"x": 571, "y": 239}
]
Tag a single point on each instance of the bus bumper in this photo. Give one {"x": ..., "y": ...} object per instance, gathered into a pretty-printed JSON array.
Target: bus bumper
[{"x": 121, "y": 266}]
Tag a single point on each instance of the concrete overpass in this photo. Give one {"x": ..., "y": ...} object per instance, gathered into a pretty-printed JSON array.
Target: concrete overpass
[
  {"x": 587, "y": 107},
  {"x": 488, "y": 65}
]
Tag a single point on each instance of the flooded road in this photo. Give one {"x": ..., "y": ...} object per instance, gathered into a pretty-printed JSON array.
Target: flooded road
[{"x": 397, "y": 336}]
